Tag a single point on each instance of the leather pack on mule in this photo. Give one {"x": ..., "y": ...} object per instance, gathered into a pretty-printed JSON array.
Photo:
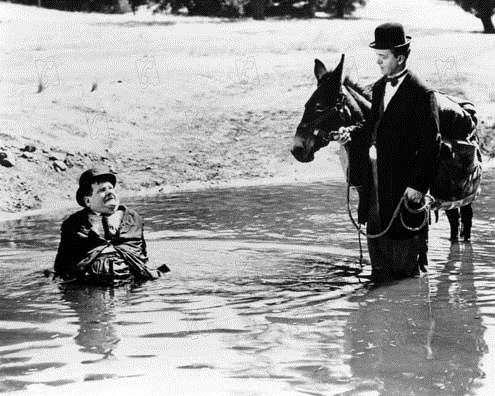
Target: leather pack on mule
[{"x": 458, "y": 178}]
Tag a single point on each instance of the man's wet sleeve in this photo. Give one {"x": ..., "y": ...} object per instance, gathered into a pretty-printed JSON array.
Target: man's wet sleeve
[
  {"x": 63, "y": 253},
  {"x": 428, "y": 135}
]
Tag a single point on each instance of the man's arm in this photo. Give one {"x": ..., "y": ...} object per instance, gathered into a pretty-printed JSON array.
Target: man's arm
[
  {"x": 132, "y": 247},
  {"x": 143, "y": 241},
  {"x": 428, "y": 139},
  {"x": 76, "y": 245},
  {"x": 154, "y": 273},
  {"x": 63, "y": 257}
]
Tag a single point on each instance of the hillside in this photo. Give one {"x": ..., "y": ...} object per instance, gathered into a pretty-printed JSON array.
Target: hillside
[{"x": 173, "y": 102}]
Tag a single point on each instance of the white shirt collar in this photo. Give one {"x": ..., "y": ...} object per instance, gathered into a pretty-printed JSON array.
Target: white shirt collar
[
  {"x": 400, "y": 76},
  {"x": 390, "y": 90}
]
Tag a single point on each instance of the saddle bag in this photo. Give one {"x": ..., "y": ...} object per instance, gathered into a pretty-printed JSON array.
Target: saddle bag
[
  {"x": 458, "y": 118},
  {"x": 458, "y": 177}
]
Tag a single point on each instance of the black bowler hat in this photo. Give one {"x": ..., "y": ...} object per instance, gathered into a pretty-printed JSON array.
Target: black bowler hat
[
  {"x": 88, "y": 178},
  {"x": 389, "y": 36}
]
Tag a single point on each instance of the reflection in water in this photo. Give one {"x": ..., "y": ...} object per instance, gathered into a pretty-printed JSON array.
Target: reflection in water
[
  {"x": 94, "y": 307},
  {"x": 265, "y": 289},
  {"x": 420, "y": 334}
]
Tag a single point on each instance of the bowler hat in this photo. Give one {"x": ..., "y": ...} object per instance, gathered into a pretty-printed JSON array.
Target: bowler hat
[
  {"x": 390, "y": 35},
  {"x": 88, "y": 178}
]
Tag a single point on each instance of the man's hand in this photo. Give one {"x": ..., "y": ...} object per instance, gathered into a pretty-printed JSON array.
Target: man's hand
[
  {"x": 344, "y": 135},
  {"x": 413, "y": 195}
]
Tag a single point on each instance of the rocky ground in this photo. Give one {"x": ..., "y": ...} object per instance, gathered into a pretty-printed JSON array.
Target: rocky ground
[{"x": 173, "y": 103}]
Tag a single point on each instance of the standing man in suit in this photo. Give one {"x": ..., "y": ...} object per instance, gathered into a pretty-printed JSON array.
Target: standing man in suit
[{"x": 396, "y": 150}]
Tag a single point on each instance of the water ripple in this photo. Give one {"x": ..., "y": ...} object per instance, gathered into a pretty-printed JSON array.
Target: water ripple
[{"x": 266, "y": 284}]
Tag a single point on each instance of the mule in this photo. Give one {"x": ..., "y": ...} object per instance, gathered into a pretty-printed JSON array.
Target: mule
[
  {"x": 336, "y": 102},
  {"x": 339, "y": 102}
]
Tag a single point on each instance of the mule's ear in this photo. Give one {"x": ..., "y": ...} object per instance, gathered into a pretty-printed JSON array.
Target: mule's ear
[
  {"x": 339, "y": 70},
  {"x": 320, "y": 69}
]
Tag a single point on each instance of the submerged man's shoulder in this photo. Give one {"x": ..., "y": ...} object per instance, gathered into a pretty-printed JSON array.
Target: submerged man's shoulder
[{"x": 75, "y": 218}]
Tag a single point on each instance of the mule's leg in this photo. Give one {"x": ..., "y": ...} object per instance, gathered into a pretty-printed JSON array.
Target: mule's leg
[
  {"x": 467, "y": 222},
  {"x": 453, "y": 216},
  {"x": 422, "y": 243}
]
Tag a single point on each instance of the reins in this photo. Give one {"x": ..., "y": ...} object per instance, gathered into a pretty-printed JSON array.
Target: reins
[
  {"x": 340, "y": 109},
  {"x": 397, "y": 213}
]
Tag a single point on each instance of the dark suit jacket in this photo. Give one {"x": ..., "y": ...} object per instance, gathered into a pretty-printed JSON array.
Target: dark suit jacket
[
  {"x": 80, "y": 245},
  {"x": 407, "y": 144}
]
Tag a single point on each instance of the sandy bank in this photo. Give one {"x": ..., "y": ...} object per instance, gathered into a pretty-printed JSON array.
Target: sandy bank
[{"x": 175, "y": 103}]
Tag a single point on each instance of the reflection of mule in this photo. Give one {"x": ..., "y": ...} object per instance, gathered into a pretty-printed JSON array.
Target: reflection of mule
[
  {"x": 338, "y": 102},
  {"x": 422, "y": 336}
]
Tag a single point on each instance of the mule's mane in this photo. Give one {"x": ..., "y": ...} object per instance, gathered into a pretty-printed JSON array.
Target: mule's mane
[
  {"x": 365, "y": 92},
  {"x": 358, "y": 100}
]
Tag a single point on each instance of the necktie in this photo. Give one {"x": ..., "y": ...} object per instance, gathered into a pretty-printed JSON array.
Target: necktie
[{"x": 106, "y": 227}]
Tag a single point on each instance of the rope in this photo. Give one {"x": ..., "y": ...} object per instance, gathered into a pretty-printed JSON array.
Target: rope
[
  {"x": 397, "y": 213},
  {"x": 423, "y": 224},
  {"x": 428, "y": 202},
  {"x": 360, "y": 248}
]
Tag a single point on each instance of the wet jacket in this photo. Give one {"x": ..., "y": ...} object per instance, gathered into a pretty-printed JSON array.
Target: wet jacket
[
  {"x": 407, "y": 145},
  {"x": 80, "y": 244}
]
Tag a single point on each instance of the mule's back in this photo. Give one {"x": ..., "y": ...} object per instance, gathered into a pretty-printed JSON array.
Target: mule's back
[
  {"x": 458, "y": 178},
  {"x": 457, "y": 117}
]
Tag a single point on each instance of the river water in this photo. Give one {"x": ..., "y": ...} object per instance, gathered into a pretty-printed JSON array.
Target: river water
[{"x": 264, "y": 297}]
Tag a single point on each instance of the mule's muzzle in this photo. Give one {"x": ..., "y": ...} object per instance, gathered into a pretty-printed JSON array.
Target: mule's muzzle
[
  {"x": 300, "y": 155},
  {"x": 302, "y": 149}
]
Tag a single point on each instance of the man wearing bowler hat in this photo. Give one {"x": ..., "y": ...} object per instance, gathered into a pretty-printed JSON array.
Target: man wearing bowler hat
[
  {"x": 398, "y": 148},
  {"x": 103, "y": 242}
]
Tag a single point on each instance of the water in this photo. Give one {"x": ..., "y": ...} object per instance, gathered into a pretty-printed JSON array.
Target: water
[{"x": 264, "y": 298}]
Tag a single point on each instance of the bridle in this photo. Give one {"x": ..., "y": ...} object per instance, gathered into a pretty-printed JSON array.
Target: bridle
[{"x": 339, "y": 109}]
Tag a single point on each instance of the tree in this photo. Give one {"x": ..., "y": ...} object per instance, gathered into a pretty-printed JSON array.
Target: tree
[
  {"x": 134, "y": 4},
  {"x": 311, "y": 8},
  {"x": 110, "y": 6},
  {"x": 340, "y": 8},
  {"x": 258, "y": 9},
  {"x": 482, "y": 9}
]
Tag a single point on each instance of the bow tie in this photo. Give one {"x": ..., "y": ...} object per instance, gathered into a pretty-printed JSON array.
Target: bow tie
[{"x": 395, "y": 79}]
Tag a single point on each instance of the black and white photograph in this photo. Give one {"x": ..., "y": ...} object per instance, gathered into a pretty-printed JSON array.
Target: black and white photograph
[{"x": 247, "y": 197}]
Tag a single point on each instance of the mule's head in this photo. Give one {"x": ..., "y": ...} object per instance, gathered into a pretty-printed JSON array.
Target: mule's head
[{"x": 320, "y": 113}]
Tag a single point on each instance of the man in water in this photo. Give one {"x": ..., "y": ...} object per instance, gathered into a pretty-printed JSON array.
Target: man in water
[
  {"x": 105, "y": 240},
  {"x": 396, "y": 154}
]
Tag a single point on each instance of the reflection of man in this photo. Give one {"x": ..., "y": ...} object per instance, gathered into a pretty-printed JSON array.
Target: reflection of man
[
  {"x": 399, "y": 144},
  {"x": 421, "y": 336},
  {"x": 105, "y": 240},
  {"x": 95, "y": 309}
]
